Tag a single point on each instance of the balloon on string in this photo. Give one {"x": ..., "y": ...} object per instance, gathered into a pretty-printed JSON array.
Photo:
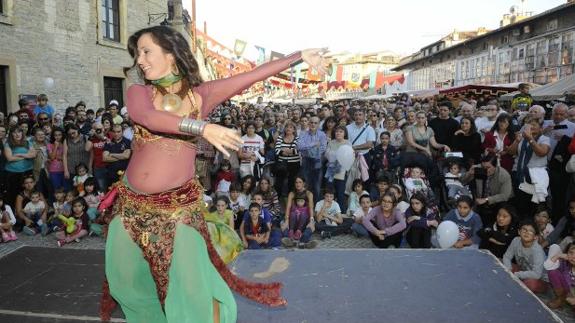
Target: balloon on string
[
  {"x": 345, "y": 156},
  {"x": 48, "y": 83},
  {"x": 447, "y": 234}
]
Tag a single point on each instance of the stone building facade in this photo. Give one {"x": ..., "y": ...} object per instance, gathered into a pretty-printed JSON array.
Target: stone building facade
[
  {"x": 536, "y": 49},
  {"x": 69, "y": 50}
]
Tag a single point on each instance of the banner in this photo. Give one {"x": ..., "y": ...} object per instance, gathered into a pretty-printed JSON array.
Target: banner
[
  {"x": 261, "y": 55},
  {"x": 239, "y": 47}
]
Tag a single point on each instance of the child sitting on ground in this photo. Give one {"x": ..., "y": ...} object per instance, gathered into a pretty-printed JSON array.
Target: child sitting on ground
[
  {"x": 497, "y": 238},
  {"x": 543, "y": 222},
  {"x": 255, "y": 232},
  {"x": 238, "y": 204},
  {"x": 468, "y": 221},
  {"x": 92, "y": 198},
  {"x": 529, "y": 257},
  {"x": 80, "y": 178},
  {"x": 7, "y": 220},
  {"x": 80, "y": 223},
  {"x": 224, "y": 178},
  {"x": 353, "y": 200},
  {"x": 34, "y": 211},
  {"x": 329, "y": 221},
  {"x": 560, "y": 265},
  {"x": 357, "y": 227}
]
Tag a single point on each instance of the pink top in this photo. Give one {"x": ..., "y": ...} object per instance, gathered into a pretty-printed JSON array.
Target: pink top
[
  {"x": 153, "y": 168},
  {"x": 56, "y": 165}
]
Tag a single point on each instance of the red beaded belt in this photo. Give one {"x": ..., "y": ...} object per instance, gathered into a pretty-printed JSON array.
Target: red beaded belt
[{"x": 151, "y": 220}]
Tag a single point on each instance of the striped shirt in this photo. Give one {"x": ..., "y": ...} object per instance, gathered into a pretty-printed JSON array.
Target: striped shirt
[{"x": 280, "y": 144}]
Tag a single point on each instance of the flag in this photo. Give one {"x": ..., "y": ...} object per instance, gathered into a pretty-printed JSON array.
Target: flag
[
  {"x": 339, "y": 73},
  {"x": 372, "y": 78},
  {"x": 298, "y": 72},
  {"x": 261, "y": 54},
  {"x": 275, "y": 55},
  {"x": 239, "y": 47}
]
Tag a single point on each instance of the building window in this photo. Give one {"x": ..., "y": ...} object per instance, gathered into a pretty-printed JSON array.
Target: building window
[
  {"x": 4, "y": 89},
  {"x": 567, "y": 49},
  {"x": 541, "y": 58},
  {"x": 554, "y": 51},
  {"x": 114, "y": 90},
  {"x": 552, "y": 25},
  {"x": 530, "y": 57},
  {"x": 111, "y": 19}
]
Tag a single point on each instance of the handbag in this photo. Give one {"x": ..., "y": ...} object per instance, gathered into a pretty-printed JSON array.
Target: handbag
[{"x": 280, "y": 166}]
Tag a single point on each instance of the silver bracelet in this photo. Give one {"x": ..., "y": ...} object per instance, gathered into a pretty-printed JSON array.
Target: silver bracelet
[{"x": 191, "y": 126}]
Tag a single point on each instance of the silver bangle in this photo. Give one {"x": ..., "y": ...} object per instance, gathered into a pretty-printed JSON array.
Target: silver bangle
[{"x": 191, "y": 126}]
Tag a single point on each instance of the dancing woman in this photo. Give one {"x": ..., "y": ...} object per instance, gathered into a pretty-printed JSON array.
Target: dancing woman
[{"x": 160, "y": 264}]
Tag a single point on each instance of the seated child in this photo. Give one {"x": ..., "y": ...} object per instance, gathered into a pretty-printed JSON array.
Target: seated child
[
  {"x": 564, "y": 232},
  {"x": 420, "y": 221},
  {"x": 560, "y": 265},
  {"x": 329, "y": 221},
  {"x": 453, "y": 182},
  {"x": 468, "y": 221},
  {"x": 357, "y": 227},
  {"x": 498, "y": 237},
  {"x": 298, "y": 217},
  {"x": 238, "y": 204},
  {"x": 396, "y": 190},
  {"x": 255, "y": 232},
  {"x": 382, "y": 183},
  {"x": 385, "y": 223},
  {"x": 75, "y": 225},
  {"x": 543, "y": 222},
  {"x": 7, "y": 220},
  {"x": 92, "y": 198},
  {"x": 529, "y": 257},
  {"x": 224, "y": 178},
  {"x": 415, "y": 182},
  {"x": 80, "y": 178},
  {"x": 353, "y": 199},
  {"x": 35, "y": 210},
  {"x": 221, "y": 228},
  {"x": 300, "y": 224}
]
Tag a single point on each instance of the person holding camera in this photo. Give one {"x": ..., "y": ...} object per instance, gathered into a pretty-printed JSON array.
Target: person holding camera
[
  {"x": 532, "y": 179},
  {"x": 491, "y": 185},
  {"x": 95, "y": 146}
]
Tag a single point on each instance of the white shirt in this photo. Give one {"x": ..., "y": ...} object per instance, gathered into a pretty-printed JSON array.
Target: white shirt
[
  {"x": 353, "y": 130},
  {"x": 358, "y": 214},
  {"x": 332, "y": 211},
  {"x": 556, "y": 134},
  {"x": 252, "y": 145}
]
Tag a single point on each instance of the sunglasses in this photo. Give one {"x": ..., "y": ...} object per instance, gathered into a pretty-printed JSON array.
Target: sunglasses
[{"x": 43, "y": 119}]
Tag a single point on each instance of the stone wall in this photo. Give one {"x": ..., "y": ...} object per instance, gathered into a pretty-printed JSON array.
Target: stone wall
[{"x": 60, "y": 39}]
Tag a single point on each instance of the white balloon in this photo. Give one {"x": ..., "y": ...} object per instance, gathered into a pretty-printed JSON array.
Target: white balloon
[
  {"x": 447, "y": 234},
  {"x": 48, "y": 83},
  {"x": 345, "y": 156}
]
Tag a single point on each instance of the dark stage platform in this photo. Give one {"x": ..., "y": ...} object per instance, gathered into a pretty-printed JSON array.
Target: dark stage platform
[{"x": 352, "y": 285}]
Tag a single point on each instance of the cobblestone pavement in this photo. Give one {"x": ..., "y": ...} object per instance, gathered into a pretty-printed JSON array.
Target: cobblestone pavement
[{"x": 339, "y": 242}]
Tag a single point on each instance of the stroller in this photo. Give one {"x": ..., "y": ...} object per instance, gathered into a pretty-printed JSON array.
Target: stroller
[{"x": 452, "y": 187}]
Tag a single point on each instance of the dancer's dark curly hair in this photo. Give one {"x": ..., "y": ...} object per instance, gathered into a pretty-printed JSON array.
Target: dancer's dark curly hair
[{"x": 171, "y": 42}]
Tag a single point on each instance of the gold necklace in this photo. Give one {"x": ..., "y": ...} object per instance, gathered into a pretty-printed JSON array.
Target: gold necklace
[{"x": 171, "y": 102}]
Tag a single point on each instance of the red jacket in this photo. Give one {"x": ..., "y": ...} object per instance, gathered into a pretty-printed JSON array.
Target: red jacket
[{"x": 488, "y": 145}]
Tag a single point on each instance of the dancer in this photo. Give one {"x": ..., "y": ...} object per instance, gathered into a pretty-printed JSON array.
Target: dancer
[{"x": 159, "y": 235}]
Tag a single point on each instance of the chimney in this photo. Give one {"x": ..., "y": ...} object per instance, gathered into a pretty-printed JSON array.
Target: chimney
[{"x": 178, "y": 12}]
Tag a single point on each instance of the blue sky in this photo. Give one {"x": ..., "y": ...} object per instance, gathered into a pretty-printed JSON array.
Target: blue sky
[{"x": 357, "y": 26}]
